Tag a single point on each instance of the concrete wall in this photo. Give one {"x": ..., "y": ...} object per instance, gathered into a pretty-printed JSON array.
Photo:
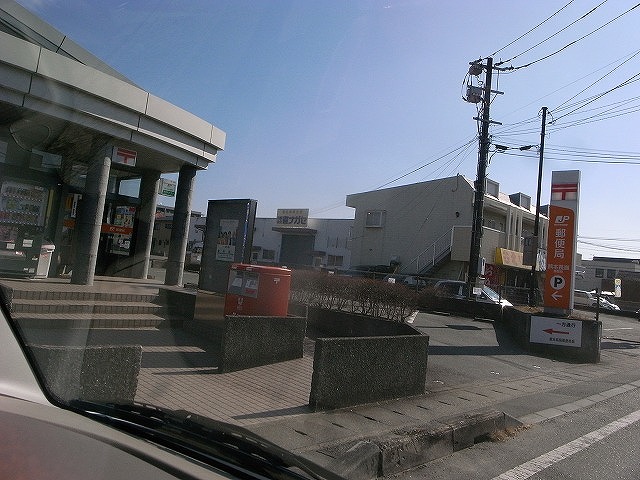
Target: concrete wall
[
  {"x": 350, "y": 371},
  {"x": 103, "y": 373},
  {"x": 253, "y": 341},
  {"x": 334, "y": 323},
  {"x": 518, "y": 323},
  {"x": 179, "y": 304}
]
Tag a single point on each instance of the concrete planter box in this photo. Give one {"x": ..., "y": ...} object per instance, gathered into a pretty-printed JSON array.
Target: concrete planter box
[
  {"x": 351, "y": 371},
  {"x": 101, "y": 373},
  {"x": 360, "y": 359},
  {"x": 247, "y": 342},
  {"x": 240, "y": 341}
]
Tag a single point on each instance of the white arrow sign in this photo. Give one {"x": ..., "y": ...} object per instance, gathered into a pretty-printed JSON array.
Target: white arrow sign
[{"x": 556, "y": 296}]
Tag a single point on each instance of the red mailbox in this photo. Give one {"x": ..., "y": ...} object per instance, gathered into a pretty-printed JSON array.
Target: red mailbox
[{"x": 257, "y": 290}]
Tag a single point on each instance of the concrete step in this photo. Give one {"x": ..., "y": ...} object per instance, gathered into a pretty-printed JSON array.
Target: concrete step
[
  {"x": 83, "y": 295},
  {"x": 83, "y": 320},
  {"x": 84, "y": 306}
]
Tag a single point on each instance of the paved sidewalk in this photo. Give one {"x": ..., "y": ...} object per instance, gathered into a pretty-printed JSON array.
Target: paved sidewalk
[{"x": 272, "y": 401}]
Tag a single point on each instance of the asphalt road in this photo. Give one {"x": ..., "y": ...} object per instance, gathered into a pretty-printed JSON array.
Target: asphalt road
[
  {"x": 594, "y": 442},
  {"x": 466, "y": 351},
  {"x": 462, "y": 350}
]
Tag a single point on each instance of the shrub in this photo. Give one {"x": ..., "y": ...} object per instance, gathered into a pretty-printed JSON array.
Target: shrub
[{"x": 355, "y": 295}]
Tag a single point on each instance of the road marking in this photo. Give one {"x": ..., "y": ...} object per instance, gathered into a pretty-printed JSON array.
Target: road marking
[
  {"x": 538, "y": 464},
  {"x": 621, "y": 328}
]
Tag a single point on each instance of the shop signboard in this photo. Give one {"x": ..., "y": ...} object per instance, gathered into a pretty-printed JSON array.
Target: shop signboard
[
  {"x": 167, "y": 187},
  {"x": 124, "y": 156},
  {"x": 292, "y": 217}
]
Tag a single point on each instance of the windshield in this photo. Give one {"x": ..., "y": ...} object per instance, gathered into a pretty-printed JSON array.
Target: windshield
[
  {"x": 264, "y": 218},
  {"x": 492, "y": 294}
]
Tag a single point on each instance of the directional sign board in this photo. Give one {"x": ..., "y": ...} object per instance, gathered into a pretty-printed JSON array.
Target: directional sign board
[
  {"x": 556, "y": 331},
  {"x": 561, "y": 242}
]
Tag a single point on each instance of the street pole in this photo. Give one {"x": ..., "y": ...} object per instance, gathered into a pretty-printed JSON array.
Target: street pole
[
  {"x": 480, "y": 185},
  {"x": 536, "y": 224}
]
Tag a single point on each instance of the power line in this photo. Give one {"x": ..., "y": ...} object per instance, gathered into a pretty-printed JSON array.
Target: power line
[
  {"x": 426, "y": 164},
  {"x": 628, "y": 81},
  {"x": 596, "y": 118},
  {"x": 576, "y": 160},
  {"x": 609, "y": 247},
  {"x": 527, "y": 33},
  {"x": 573, "y": 42},
  {"x": 461, "y": 150},
  {"x": 610, "y": 239},
  {"x": 505, "y": 129},
  {"x": 551, "y": 36},
  {"x": 601, "y": 78},
  {"x": 605, "y": 112}
]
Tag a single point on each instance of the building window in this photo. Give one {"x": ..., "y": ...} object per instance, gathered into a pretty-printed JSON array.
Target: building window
[
  {"x": 611, "y": 273},
  {"x": 375, "y": 218},
  {"x": 599, "y": 272},
  {"x": 335, "y": 260},
  {"x": 269, "y": 255}
]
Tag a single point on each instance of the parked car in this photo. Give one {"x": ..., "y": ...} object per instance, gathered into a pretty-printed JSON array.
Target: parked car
[
  {"x": 459, "y": 289},
  {"x": 193, "y": 258},
  {"x": 589, "y": 299},
  {"x": 583, "y": 298},
  {"x": 416, "y": 283},
  {"x": 607, "y": 305}
]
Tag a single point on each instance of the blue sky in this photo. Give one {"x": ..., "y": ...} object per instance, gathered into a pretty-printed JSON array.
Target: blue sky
[{"x": 323, "y": 99}]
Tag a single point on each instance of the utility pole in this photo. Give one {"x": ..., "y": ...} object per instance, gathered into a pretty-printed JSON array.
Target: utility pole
[
  {"x": 480, "y": 184},
  {"x": 536, "y": 224}
]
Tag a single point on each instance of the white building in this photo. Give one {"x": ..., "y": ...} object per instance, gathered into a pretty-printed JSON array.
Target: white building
[
  {"x": 322, "y": 242},
  {"x": 425, "y": 228}
]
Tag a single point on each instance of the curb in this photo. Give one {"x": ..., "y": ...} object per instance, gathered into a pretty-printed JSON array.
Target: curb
[{"x": 405, "y": 448}]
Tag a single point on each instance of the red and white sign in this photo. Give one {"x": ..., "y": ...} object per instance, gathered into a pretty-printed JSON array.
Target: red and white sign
[
  {"x": 124, "y": 156},
  {"x": 561, "y": 241},
  {"x": 556, "y": 331},
  {"x": 564, "y": 191},
  {"x": 560, "y": 252}
]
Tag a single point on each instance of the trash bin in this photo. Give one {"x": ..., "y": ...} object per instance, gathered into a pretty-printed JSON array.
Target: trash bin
[
  {"x": 44, "y": 261},
  {"x": 257, "y": 290}
]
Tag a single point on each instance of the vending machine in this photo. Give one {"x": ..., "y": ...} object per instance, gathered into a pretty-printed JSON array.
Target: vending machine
[{"x": 23, "y": 209}]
